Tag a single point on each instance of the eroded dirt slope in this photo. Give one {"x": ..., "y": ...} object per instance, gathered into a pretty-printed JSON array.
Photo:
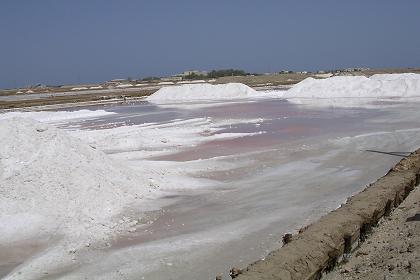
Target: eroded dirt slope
[{"x": 393, "y": 249}]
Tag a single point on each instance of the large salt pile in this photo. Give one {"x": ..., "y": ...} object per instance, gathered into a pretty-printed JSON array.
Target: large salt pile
[
  {"x": 191, "y": 92},
  {"x": 342, "y": 90},
  {"x": 52, "y": 183}
]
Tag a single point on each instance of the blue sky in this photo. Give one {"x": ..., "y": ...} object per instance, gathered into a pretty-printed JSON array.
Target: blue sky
[{"x": 79, "y": 41}]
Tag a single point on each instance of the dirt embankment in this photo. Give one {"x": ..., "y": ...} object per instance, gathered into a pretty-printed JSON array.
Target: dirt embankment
[
  {"x": 293, "y": 78},
  {"x": 264, "y": 80},
  {"x": 74, "y": 99},
  {"x": 393, "y": 249},
  {"x": 318, "y": 248}
]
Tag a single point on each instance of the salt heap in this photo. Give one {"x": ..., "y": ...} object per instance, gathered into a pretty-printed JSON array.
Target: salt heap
[
  {"x": 342, "y": 90},
  {"x": 52, "y": 183},
  {"x": 192, "y": 92},
  {"x": 52, "y": 116}
]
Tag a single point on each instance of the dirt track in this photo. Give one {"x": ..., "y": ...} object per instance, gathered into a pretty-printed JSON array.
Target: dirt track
[{"x": 317, "y": 249}]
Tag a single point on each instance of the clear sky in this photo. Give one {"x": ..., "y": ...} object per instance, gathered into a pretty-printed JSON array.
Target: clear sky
[{"x": 79, "y": 41}]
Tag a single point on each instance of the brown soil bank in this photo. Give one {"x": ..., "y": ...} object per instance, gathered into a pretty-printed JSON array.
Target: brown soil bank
[
  {"x": 55, "y": 100},
  {"x": 392, "y": 251},
  {"x": 319, "y": 247}
]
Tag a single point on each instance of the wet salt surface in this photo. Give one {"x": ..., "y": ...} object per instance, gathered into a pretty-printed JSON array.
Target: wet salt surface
[
  {"x": 280, "y": 122},
  {"x": 304, "y": 165}
]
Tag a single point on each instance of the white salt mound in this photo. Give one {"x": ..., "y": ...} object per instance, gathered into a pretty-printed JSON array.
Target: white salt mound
[
  {"x": 77, "y": 88},
  {"x": 192, "y": 92},
  {"x": 54, "y": 183},
  {"x": 49, "y": 116},
  {"x": 345, "y": 89}
]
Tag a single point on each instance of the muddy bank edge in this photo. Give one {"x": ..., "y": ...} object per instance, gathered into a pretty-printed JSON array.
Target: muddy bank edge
[{"x": 320, "y": 246}]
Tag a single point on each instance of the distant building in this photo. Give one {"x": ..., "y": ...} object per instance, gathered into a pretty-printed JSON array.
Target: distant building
[
  {"x": 115, "y": 83},
  {"x": 355, "y": 69},
  {"x": 171, "y": 79},
  {"x": 193, "y": 72}
]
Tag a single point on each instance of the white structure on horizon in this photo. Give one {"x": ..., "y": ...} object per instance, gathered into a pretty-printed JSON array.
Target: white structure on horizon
[{"x": 193, "y": 72}]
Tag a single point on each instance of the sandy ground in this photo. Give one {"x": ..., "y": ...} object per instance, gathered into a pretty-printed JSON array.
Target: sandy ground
[{"x": 393, "y": 249}]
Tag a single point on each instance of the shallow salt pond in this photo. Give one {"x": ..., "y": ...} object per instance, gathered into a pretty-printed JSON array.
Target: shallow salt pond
[{"x": 237, "y": 176}]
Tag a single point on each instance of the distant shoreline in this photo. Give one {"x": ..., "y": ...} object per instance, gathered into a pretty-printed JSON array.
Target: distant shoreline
[{"x": 100, "y": 94}]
